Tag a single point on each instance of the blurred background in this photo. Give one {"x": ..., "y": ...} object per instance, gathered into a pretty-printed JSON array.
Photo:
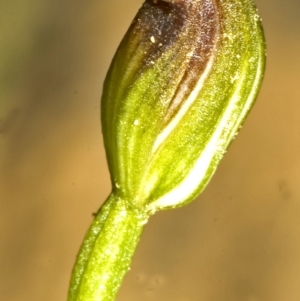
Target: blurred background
[{"x": 239, "y": 241}]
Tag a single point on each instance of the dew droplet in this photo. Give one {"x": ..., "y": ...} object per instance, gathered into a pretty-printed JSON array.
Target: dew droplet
[
  {"x": 235, "y": 78},
  {"x": 256, "y": 17}
]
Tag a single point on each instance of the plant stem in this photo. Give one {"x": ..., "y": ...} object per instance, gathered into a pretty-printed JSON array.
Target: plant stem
[{"x": 105, "y": 256}]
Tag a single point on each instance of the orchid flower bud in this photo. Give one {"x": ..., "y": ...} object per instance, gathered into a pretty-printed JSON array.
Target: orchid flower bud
[{"x": 179, "y": 87}]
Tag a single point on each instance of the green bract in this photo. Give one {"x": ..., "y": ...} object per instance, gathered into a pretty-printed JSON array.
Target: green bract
[{"x": 180, "y": 85}]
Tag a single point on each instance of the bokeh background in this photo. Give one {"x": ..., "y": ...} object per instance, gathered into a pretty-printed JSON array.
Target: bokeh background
[{"x": 239, "y": 241}]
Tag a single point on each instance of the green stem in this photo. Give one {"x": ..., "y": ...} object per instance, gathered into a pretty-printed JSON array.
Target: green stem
[{"x": 105, "y": 256}]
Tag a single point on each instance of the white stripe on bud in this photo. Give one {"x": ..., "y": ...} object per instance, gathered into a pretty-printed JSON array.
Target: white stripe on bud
[
  {"x": 216, "y": 146},
  {"x": 186, "y": 105}
]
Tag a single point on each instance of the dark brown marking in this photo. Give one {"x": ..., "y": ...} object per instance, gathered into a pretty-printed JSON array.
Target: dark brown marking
[{"x": 187, "y": 26}]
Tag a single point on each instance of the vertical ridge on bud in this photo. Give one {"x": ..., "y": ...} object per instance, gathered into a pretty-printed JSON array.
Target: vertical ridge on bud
[{"x": 204, "y": 28}]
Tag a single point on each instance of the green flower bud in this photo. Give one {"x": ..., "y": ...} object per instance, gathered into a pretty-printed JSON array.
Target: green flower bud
[{"x": 179, "y": 87}]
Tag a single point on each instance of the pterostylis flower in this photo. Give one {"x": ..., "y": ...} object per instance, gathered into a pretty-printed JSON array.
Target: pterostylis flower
[{"x": 179, "y": 87}]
